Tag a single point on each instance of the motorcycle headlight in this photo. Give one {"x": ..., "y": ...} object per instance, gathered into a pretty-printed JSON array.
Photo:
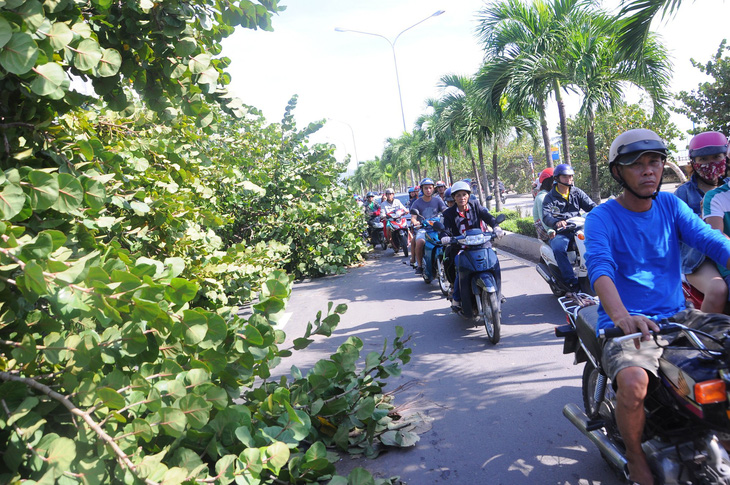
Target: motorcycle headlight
[{"x": 475, "y": 240}]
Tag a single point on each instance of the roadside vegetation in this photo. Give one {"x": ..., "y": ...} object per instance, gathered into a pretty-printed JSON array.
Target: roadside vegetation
[{"x": 137, "y": 219}]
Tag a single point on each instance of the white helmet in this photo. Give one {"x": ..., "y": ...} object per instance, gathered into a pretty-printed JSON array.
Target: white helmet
[
  {"x": 460, "y": 185},
  {"x": 630, "y": 145}
]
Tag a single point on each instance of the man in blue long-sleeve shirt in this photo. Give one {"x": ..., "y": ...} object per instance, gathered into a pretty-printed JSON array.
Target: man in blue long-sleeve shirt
[
  {"x": 632, "y": 255},
  {"x": 560, "y": 204}
]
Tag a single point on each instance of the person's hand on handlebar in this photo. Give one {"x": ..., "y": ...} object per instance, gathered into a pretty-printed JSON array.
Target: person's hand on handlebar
[
  {"x": 637, "y": 323},
  {"x": 560, "y": 225}
]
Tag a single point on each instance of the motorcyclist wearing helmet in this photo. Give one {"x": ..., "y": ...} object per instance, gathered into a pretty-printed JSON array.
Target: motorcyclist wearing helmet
[
  {"x": 412, "y": 195},
  {"x": 560, "y": 204},
  {"x": 390, "y": 206},
  {"x": 448, "y": 198},
  {"x": 632, "y": 256},
  {"x": 440, "y": 189},
  {"x": 707, "y": 153},
  {"x": 464, "y": 215},
  {"x": 545, "y": 183},
  {"x": 429, "y": 207}
]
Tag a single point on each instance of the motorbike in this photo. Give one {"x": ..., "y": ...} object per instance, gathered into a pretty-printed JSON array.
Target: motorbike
[
  {"x": 687, "y": 413},
  {"x": 397, "y": 227},
  {"x": 548, "y": 266},
  {"x": 433, "y": 252},
  {"x": 480, "y": 280},
  {"x": 375, "y": 231}
]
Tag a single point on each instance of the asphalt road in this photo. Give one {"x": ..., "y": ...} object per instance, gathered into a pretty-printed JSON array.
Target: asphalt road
[{"x": 492, "y": 413}]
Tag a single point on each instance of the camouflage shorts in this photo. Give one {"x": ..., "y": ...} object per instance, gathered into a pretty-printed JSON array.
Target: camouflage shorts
[{"x": 617, "y": 356}]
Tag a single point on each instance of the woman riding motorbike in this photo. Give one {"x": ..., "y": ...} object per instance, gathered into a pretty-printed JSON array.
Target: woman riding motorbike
[
  {"x": 707, "y": 153},
  {"x": 457, "y": 220}
]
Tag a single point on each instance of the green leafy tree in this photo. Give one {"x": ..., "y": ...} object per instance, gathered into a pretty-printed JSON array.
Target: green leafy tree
[
  {"x": 709, "y": 105},
  {"x": 607, "y": 128},
  {"x": 127, "y": 242}
]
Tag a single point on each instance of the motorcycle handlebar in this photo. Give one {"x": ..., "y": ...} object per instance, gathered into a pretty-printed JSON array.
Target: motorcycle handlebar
[{"x": 615, "y": 333}]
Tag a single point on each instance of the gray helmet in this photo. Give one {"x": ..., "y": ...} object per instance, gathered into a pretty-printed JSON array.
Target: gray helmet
[
  {"x": 389, "y": 191},
  {"x": 460, "y": 185},
  {"x": 632, "y": 144}
]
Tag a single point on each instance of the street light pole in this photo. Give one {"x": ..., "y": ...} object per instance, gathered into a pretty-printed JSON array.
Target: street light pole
[
  {"x": 395, "y": 60},
  {"x": 354, "y": 147}
]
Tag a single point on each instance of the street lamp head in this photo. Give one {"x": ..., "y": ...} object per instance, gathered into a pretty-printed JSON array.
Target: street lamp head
[
  {"x": 340, "y": 29},
  {"x": 437, "y": 13}
]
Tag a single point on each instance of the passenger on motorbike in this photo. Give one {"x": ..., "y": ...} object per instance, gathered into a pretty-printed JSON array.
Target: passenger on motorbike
[
  {"x": 440, "y": 189},
  {"x": 372, "y": 211},
  {"x": 429, "y": 207},
  {"x": 707, "y": 153},
  {"x": 464, "y": 215},
  {"x": 634, "y": 266},
  {"x": 412, "y": 196},
  {"x": 560, "y": 204},
  {"x": 390, "y": 206},
  {"x": 545, "y": 181},
  {"x": 448, "y": 198}
]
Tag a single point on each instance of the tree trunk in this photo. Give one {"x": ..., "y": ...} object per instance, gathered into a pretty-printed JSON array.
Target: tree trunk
[
  {"x": 447, "y": 178},
  {"x": 413, "y": 178},
  {"x": 495, "y": 178},
  {"x": 479, "y": 179},
  {"x": 563, "y": 123},
  {"x": 480, "y": 148},
  {"x": 593, "y": 161},
  {"x": 545, "y": 136}
]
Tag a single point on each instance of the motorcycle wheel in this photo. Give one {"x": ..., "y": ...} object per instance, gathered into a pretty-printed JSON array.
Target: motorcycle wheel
[
  {"x": 491, "y": 317},
  {"x": 441, "y": 275},
  {"x": 557, "y": 291},
  {"x": 404, "y": 243},
  {"x": 590, "y": 380},
  {"x": 384, "y": 244}
]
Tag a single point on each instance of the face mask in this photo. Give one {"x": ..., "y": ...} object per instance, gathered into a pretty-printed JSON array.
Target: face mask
[{"x": 710, "y": 171}]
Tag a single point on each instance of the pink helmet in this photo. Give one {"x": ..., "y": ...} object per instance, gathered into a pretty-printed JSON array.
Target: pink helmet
[{"x": 708, "y": 143}]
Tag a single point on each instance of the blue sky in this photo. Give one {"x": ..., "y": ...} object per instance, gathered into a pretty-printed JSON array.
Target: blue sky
[{"x": 350, "y": 78}]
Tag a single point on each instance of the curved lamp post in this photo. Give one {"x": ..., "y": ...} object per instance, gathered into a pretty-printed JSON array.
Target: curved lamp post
[{"x": 392, "y": 47}]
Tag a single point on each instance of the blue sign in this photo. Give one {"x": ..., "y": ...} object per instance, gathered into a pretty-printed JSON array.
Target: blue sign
[{"x": 530, "y": 160}]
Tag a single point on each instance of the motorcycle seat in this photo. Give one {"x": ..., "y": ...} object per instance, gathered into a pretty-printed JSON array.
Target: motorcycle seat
[{"x": 586, "y": 325}]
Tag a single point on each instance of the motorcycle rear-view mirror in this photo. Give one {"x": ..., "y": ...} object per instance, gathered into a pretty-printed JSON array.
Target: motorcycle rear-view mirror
[
  {"x": 489, "y": 197},
  {"x": 501, "y": 218},
  {"x": 415, "y": 212},
  {"x": 438, "y": 226}
]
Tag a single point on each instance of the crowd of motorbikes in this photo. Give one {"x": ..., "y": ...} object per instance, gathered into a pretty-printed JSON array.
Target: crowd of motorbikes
[{"x": 478, "y": 268}]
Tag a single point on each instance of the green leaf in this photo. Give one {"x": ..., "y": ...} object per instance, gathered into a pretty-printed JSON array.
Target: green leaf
[
  {"x": 225, "y": 469},
  {"x": 195, "y": 326},
  {"x": 252, "y": 336},
  {"x": 32, "y": 13},
  {"x": 70, "y": 193},
  {"x": 60, "y": 36},
  {"x": 360, "y": 476},
  {"x": 366, "y": 409},
  {"x": 43, "y": 189},
  {"x": 51, "y": 81},
  {"x": 60, "y": 454},
  {"x": 372, "y": 361},
  {"x": 276, "y": 456},
  {"x": 33, "y": 278},
  {"x": 6, "y": 31},
  {"x": 18, "y": 56},
  {"x": 12, "y": 200},
  {"x": 181, "y": 291},
  {"x": 199, "y": 63},
  {"x": 399, "y": 438},
  {"x": 196, "y": 409},
  {"x": 172, "y": 421},
  {"x": 39, "y": 248},
  {"x": 87, "y": 55},
  {"x": 109, "y": 63},
  {"x": 110, "y": 398},
  {"x": 94, "y": 194}
]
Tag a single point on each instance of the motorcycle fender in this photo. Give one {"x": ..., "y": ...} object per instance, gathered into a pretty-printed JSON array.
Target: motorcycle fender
[{"x": 485, "y": 281}]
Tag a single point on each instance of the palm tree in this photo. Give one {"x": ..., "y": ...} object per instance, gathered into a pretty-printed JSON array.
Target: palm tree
[
  {"x": 523, "y": 43},
  {"x": 636, "y": 17},
  {"x": 600, "y": 70}
]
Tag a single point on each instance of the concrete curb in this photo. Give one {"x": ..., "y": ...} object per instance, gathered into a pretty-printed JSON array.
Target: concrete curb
[{"x": 524, "y": 246}]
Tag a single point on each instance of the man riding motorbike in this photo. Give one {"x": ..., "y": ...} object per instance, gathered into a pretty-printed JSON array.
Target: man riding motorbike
[
  {"x": 412, "y": 196},
  {"x": 429, "y": 207},
  {"x": 634, "y": 266},
  {"x": 440, "y": 189},
  {"x": 372, "y": 211},
  {"x": 560, "y": 204},
  {"x": 457, "y": 220},
  {"x": 389, "y": 206},
  {"x": 545, "y": 181}
]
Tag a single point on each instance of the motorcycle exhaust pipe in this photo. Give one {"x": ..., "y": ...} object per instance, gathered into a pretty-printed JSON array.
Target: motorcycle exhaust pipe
[
  {"x": 545, "y": 273},
  {"x": 612, "y": 454}
]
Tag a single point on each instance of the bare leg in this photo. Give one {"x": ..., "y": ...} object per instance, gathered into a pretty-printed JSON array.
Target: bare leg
[
  {"x": 708, "y": 280},
  {"x": 420, "y": 244},
  {"x": 633, "y": 383}
]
